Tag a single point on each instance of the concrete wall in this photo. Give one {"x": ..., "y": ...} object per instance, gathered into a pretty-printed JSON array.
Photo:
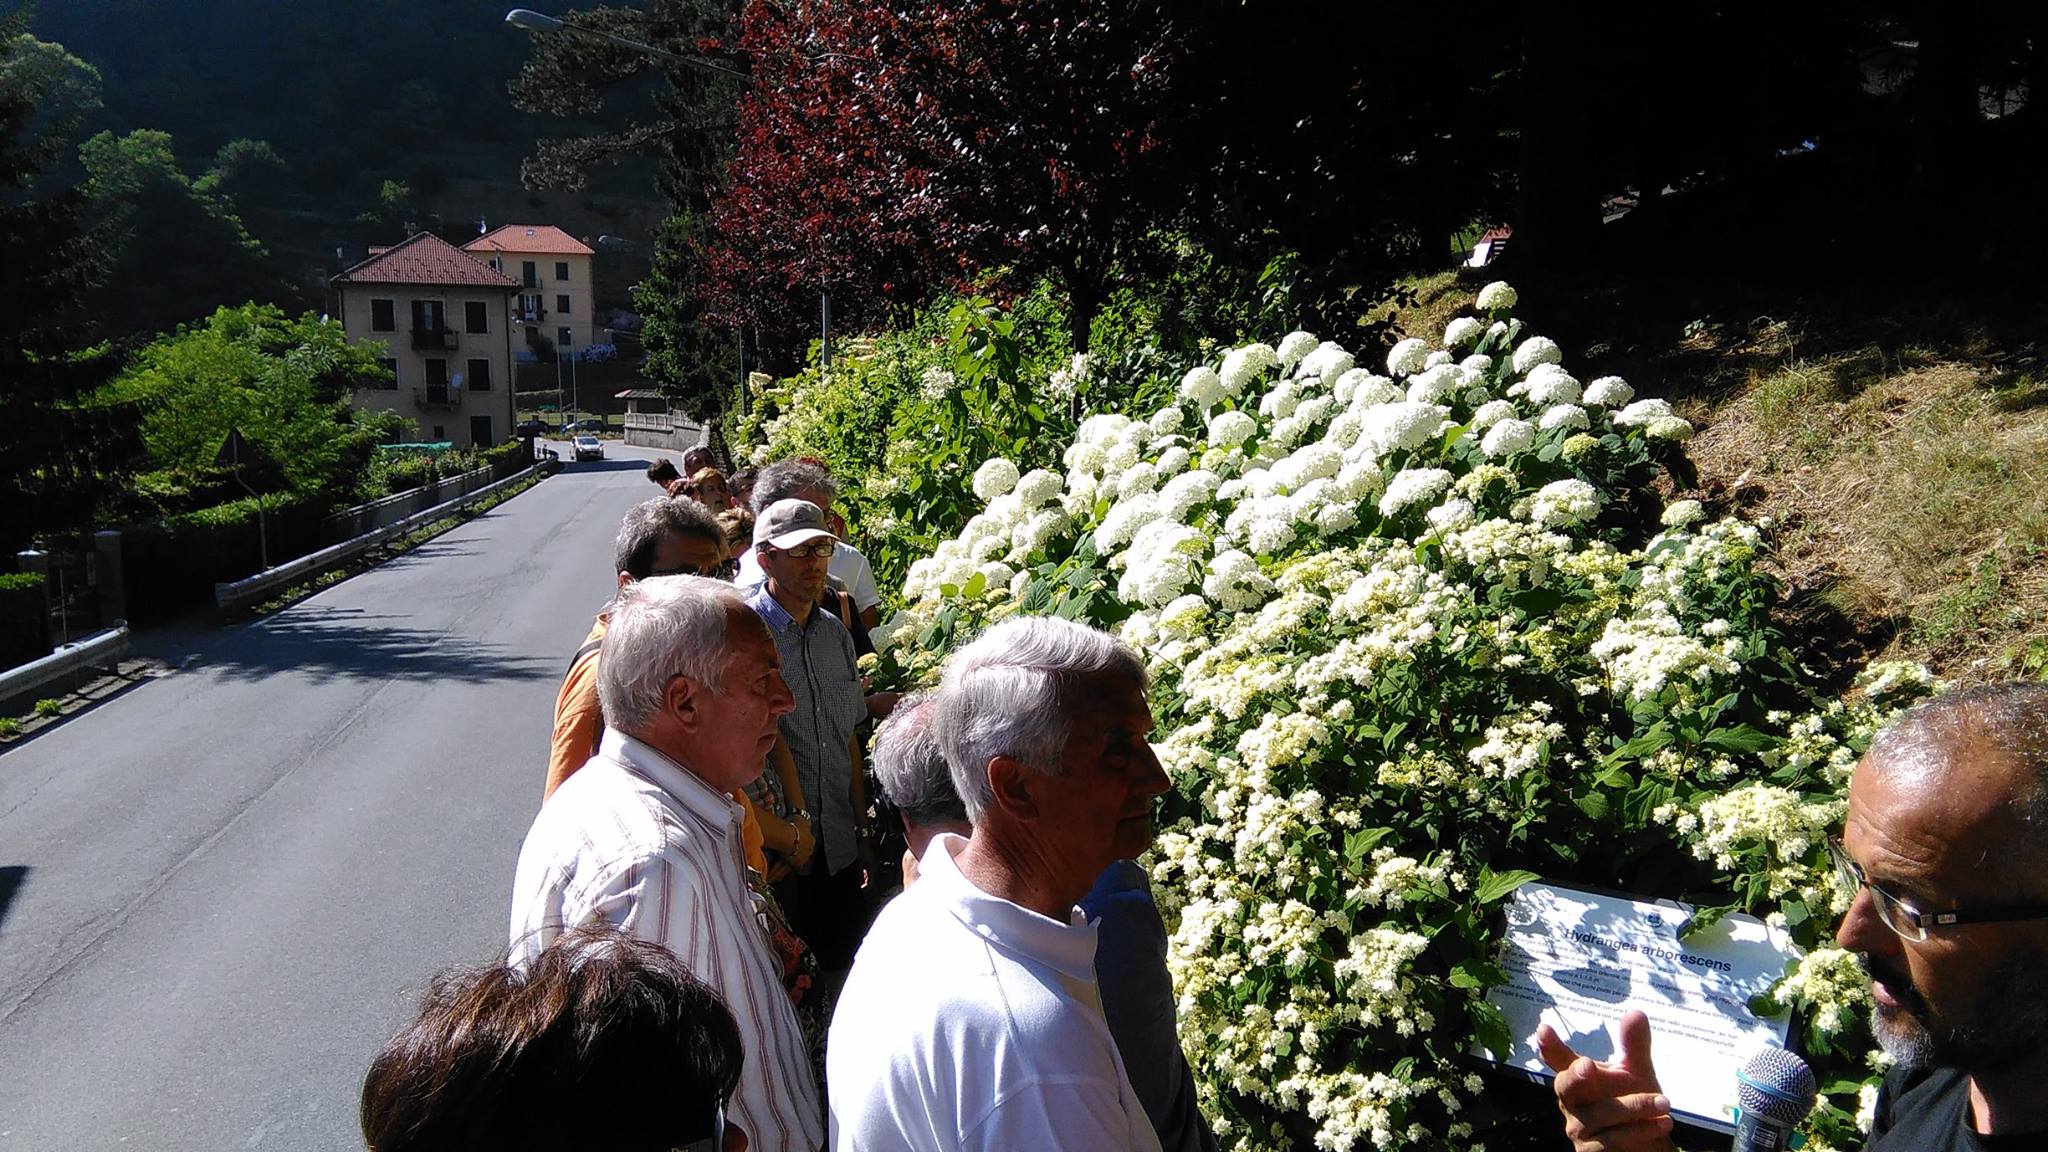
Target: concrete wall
[{"x": 668, "y": 431}]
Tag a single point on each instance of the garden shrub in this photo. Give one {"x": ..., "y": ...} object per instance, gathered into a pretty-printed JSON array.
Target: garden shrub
[
  {"x": 1418, "y": 632},
  {"x": 24, "y": 619}
]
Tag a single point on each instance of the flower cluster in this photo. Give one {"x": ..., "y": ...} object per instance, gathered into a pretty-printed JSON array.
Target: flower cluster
[{"x": 1403, "y": 625}]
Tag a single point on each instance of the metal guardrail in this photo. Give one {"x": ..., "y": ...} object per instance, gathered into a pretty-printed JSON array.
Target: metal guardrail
[
  {"x": 313, "y": 563},
  {"x": 99, "y": 647}
]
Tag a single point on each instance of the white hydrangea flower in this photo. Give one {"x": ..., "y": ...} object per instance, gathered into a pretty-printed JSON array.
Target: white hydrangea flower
[
  {"x": 1641, "y": 412},
  {"x": 1497, "y": 297},
  {"x": 1668, "y": 428},
  {"x": 1230, "y": 429},
  {"x": 996, "y": 477},
  {"x": 1477, "y": 364},
  {"x": 1452, "y": 514},
  {"x": 1507, "y": 437},
  {"x": 1124, "y": 520},
  {"x": 1167, "y": 420},
  {"x": 1183, "y": 616},
  {"x": 1404, "y": 424},
  {"x": 1270, "y": 536},
  {"x": 1412, "y": 486},
  {"x": 1201, "y": 387},
  {"x": 1609, "y": 392},
  {"x": 1182, "y": 493},
  {"x": 1083, "y": 458},
  {"x": 1564, "y": 503},
  {"x": 1139, "y": 477},
  {"x": 1018, "y": 583},
  {"x": 1563, "y": 416},
  {"x": 1464, "y": 330},
  {"x": 1234, "y": 582},
  {"x": 1173, "y": 460},
  {"x": 1242, "y": 364},
  {"x": 1536, "y": 350},
  {"x": 937, "y": 383},
  {"x": 1037, "y": 488},
  {"x": 1434, "y": 385},
  {"x": 1490, "y": 413},
  {"x": 1437, "y": 359},
  {"x": 1326, "y": 364},
  {"x": 1407, "y": 357},
  {"x": 1293, "y": 347},
  {"x": 1680, "y": 513},
  {"x": 1550, "y": 384},
  {"x": 1280, "y": 402},
  {"x": 1371, "y": 390}
]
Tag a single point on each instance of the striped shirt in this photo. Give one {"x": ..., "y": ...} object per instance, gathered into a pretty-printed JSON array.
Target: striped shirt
[
  {"x": 637, "y": 841},
  {"x": 819, "y": 666}
]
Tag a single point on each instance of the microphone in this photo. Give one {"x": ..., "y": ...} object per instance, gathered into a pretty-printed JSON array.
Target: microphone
[{"x": 1775, "y": 1090}]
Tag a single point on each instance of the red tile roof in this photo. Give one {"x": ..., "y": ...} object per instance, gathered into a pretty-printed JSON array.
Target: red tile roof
[
  {"x": 542, "y": 238},
  {"x": 424, "y": 258}
]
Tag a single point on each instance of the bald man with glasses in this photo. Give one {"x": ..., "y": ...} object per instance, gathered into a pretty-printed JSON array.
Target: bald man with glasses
[{"x": 1943, "y": 860}]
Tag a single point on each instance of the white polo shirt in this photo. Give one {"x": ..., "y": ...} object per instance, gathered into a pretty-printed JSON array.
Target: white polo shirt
[{"x": 969, "y": 1023}]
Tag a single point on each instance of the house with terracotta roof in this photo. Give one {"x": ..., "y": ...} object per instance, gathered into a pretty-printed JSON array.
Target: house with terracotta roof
[
  {"x": 443, "y": 318},
  {"x": 556, "y": 297}
]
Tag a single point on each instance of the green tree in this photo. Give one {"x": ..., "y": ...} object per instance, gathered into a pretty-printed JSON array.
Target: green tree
[
  {"x": 685, "y": 120},
  {"x": 55, "y": 452},
  {"x": 284, "y": 383},
  {"x": 178, "y": 250}
]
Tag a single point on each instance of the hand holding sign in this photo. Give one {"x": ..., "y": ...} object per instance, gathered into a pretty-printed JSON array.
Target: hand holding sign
[{"x": 1610, "y": 1107}]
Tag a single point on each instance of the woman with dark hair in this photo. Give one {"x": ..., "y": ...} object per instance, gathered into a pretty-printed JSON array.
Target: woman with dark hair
[
  {"x": 663, "y": 472},
  {"x": 604, "y": 1042}
]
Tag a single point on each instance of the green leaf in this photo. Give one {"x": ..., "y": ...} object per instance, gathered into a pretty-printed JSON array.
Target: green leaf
[
  {"x": 975, "y": 587},
  {"x": 1490, "y": 1028},
  {"x": 1593, "y": 804},
  {"x": 1495, "y": 886},
  {"x": 1477, "y": 973},
  {"x": 1742, "y": 739}
]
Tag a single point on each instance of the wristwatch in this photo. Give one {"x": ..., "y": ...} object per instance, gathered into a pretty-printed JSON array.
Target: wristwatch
[{"x": 800, "y": 812}]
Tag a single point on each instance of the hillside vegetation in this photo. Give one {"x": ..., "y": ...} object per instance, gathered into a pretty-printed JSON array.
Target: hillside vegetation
[{"x": 1895, "y": 441}]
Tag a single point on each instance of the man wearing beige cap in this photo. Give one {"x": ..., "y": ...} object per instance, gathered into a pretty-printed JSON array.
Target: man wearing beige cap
[{"x": 824, "y": 900}]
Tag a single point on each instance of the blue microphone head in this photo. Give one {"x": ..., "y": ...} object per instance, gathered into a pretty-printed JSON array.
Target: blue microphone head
[{"x": 1777, "y": 1086}]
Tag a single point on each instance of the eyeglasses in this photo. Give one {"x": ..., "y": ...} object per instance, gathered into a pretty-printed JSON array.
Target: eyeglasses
[
  {"x": 1909, "y": 922},
  {"x": 806, "y": 551},
  {"x": 714, "y": 1142}
]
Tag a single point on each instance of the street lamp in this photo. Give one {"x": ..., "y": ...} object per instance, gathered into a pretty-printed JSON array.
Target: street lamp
[{"x": 533, "y": 21}]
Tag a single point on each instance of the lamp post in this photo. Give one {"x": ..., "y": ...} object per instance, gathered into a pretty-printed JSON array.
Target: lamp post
[{"x": 533, "y": 21}]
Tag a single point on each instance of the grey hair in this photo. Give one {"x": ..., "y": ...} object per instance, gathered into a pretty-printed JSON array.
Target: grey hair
[
  {"x": 647, "y": 522},
  {"x": 1013, "y": 693},
  {"x": 661, "y": 628},
  {"x": 2011, "y": 717},
  {"x": 789, "y": 480},
  {"x": 911, "y": 767}
]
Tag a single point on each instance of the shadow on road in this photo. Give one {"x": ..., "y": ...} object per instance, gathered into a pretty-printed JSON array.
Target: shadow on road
[
  {"x": 609, "y": 464},
  {"x": 337, "y": 644},
  {"x": 11, "y": 877}
]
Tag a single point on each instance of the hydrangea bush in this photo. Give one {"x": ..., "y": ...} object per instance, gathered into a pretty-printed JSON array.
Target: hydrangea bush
[{"x": 1420, "y": 630}]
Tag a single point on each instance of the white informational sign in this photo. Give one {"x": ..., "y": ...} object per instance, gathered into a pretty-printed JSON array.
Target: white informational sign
[{"x": 1577, "y": 960}]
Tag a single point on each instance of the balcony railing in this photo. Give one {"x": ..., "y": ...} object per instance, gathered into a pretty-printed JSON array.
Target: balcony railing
[
  {"x": 435, "y": 339},
  {"x": 434, "y": 396},
  {"x": 532, "y": 315}
]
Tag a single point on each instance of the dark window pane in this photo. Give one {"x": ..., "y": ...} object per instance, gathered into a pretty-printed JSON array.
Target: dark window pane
[
  {"x": 476, "y": 317},
  {"x": 383, "y": 316},
  {"x": 479, "y": 375},
  {"x": 561, "y": 269},
  {"x": 437, "y": 373},
  {"x": 528, "y": 274},
  {"x": 562, "y": 303}
]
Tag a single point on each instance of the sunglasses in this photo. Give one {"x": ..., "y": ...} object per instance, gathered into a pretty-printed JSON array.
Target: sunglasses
[
  {"x": 714, "y": 1142},
  {"x": 1909, "y": 922},
  {"x": 806, "y": 551}
]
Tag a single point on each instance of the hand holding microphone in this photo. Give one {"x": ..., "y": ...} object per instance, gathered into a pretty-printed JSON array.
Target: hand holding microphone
[
  {"x": 1620, "y": 1107},
  {"x": 1610, "y": 1107}
]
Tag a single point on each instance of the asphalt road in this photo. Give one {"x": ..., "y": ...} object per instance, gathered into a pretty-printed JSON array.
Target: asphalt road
[{"x": 222, "y": 890}]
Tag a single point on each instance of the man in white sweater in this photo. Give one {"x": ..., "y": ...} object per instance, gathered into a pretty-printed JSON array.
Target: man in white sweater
[{"x": 972, "y": 1018}]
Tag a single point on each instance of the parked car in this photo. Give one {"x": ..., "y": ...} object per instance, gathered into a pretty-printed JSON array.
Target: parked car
[
  {"x": 589, "y": 448},
  {"x": 592, "y": 425},
  {"x": 534, "y": 428}
]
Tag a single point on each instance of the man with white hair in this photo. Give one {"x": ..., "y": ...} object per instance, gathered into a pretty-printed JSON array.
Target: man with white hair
[
  {"x": 645, "y": 838},
  {"x": 1130, "y": 951},
  {"x": 972, "y": 1019}
]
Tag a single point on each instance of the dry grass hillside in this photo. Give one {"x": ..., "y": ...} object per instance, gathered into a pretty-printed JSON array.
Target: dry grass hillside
[{"x": 1899, "y": 453}]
